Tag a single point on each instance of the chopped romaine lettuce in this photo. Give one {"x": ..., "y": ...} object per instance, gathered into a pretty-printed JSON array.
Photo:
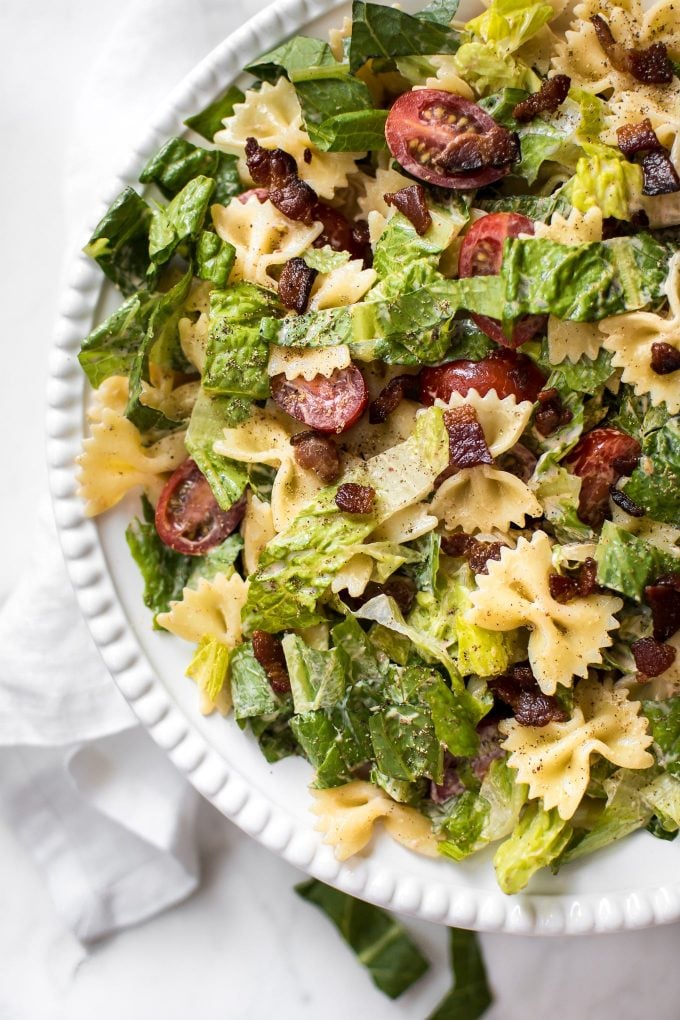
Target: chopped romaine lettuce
[
  {"x": 120, "y": 241},
  {"x": 379, "y": 31},
  {"x": 209, "y": 121},
  {"x": 626, "y": 562},
  {"x": 655, "y": 483},
  {"x": 251, "y": 691},
  {"x": 165, "y": 572},
  {"x": 317, "y": 677},
  {"x": 477, "y": 819},
  {"x": 664, "y": 725},
  {"x": 405, "y": 745},
  {"x": 297, "y": 54},
  {"x": 214, "y": 258},
  {"x": 507, "y": 24},
  {"x": 236, "y": 357},
  {"x": 179, "y": 161},
  {"x": 210, "y": 415},
  {"x": 605, "y": 180},
  {"x": 380, "y": 943},
  {"x": 537, "y": 840},
  {"x": 180, "y": 220},
  {"x": 625, "y": 811},
  {"x": 209, "y": 668}
]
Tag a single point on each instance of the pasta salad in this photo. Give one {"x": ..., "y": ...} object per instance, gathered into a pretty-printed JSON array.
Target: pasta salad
[{"x": 397, "y": 376}]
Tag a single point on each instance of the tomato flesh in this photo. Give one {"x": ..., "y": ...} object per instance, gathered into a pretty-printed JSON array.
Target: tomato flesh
[
  {"x": 423, "y": 122},
  {"x": 505, "y": 371},
  {"x": 188, "y": 518},
  {"x": 330, "y": 404},
  {"x": 481, "y": 254},
  {"x": 600, "y": 458}
]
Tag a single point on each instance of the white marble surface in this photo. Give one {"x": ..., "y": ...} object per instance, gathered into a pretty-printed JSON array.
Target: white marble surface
[{"x": 245, "y": 947}]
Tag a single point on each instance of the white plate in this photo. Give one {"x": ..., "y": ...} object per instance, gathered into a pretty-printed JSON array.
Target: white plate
[{"x": 631, "y": 885}]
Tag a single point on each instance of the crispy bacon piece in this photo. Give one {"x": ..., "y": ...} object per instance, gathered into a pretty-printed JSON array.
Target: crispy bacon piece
[
  {"x": 552, "y": 413},
  {"x": 277, "y": 170},
  {"x": 551, "y": 94},
  {"x": 659, "y": 176},
  {"x": 412, "y": 202},
  {"x": 353, "y": 498},
  {"x": 530, "y": 706},
  {"x": 477, "y": 553},
  {"x": 663, "y": 598},
  {"x": 468, "y": 151},
  {"x": 634, "y": 138},
  {"x": 665, "y": 358},
  {"x": 317, "y": 453},
  {"x": 295, "y": 284},
  {"x": 651, "y": 66},
  {"x": 268, "y": 651},
  {"x": 467, "y": 445},
  {"x": 625, "y": 503},
  {"x": 564, "y": 588},
  {"x": 651, "y": 657},
  {"x": 391, "y": 396},
  {"x": 401, "y": 589}
]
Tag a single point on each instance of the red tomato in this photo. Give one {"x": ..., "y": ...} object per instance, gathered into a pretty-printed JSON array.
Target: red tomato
[
  {"x": 506, "y": 372},
  {"x": 599, "y": 459},
  {"x": 337, "y": 232},
  {"x": 326, "y": 404},
  {"x": 188, "y": 517},
  {"x": 420, "y": 126},
  {"x": 481, "y": 254}
]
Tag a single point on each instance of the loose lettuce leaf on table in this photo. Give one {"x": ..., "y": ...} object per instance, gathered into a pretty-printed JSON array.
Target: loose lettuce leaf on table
[
  {"x": 209, "y": 417},
  {"x": 626, "y": 562},
  {"x": 179, "y": 161},
  {"x": 470, "y": 996},
  {"x": 537, "y": 840},
  {"x": 379, "y": 941},
  {"x": 237, "y": 356},
  {"x": 120, "y": 241},
  {"x": 181, "y": 220},
  {"x": 209, "y": 121},
  {"x": 655, "y": 483},
  {"x": 380, "y": 31}
]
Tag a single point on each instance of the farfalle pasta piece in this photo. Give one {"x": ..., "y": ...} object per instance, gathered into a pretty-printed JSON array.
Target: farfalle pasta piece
[
  {"x": 114, "y": 461},
  {"x": 572, "y": 340},
  {"x": 272, "y": 115},
  {"x": 348, "y": 814},
  {"x": 265, "y": 439},
  {"x": 354, "y": 576},
  {"x": 483, "y": 498},
  {"x": 503, "y": 421},
  {"x": 371, "y": 198},
  {"x": 211, "y": 610},
  {"x": 342, "y": 286},
  {"x": 554, "y": 760},
  {"x": 337, "y": 36},
  {"x": 630, "y": 339},
  {"x": 447, "y": 77},
  {"x": 576, "y": 228},
  {"x": 306, "y": 362},
  {"x": 263, "y": 237},
  {"x": 257, "y": 528},
  {"x": 565, "y": 638},
  {"x": 406, "y": 525}
]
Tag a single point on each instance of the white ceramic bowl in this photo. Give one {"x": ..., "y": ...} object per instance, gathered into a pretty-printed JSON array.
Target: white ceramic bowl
[{"x": 631, "y": 885}]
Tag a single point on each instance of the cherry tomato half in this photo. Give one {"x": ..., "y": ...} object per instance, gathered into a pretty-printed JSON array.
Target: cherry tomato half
[
  {"x": 420, "y": 126},
  {"x": 599, "y": 459},
  {"x": 481, "y": 254},
  {"x": 188, "y": 517},
  {"x": 505, "y": 371},
  {"x": 330, "y": 404},
  {"x": 338, "y": 232}
]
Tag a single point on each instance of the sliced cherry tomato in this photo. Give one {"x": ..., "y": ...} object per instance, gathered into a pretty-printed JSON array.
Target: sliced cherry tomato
[
  {"x": 481, "y": 254},
  {"x": 600, "y": 458},
  {"x": 188, "y": 517},
  {"x": 330, "y": 404},
  {"x": 505, "y": 371},
  {"x": 337, "y": 232},
  {"x": 420, "y": 126}
]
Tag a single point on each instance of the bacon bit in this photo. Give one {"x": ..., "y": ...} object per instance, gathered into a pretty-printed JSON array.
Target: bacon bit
[
  {"x": 551, "y": 94},
  {"x": 412, "y": 202},
  {"x": 665, "y": 358},
  {"x": 625, "y": 503},
  {"x": 467, "y": 445},
  {"x": 634, "y": 138},
  {"x": 659, "y": 176},
  {"x": 651, "y": 66},
  {"x": 317, "y": 453},
  {"x": 268, "y": 651},
  {"x": 469, "y": 151},
  {"x": 295, "y": 284},
  {"x": 477, "y": 553},
  {"x": 277, "y": 170},
  {"x": 663, "y": 598},
  {"x": 401, "y": 589},
  {"x": 531, "y": 707},
  {"x": 391, "y": 396},
  {"x": 651, "y": 657},
  {"x": 564, "y": 588},
  {"x": 353, "y": 498},
  {"x": 552, "y": 413}
]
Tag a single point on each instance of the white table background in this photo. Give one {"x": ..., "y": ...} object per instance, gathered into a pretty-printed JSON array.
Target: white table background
[{"x": 245, "y": 946}]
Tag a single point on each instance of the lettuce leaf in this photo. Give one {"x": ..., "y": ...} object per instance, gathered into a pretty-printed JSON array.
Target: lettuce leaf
[
  {"x": 508, "y": 24},
  {"x": 405, "y": 745},
  {"x": 587, "y": 375},
  {"x": 317, "y": 677},
  {"x": 379, "y": 31},
  {"x": 214, "y": 258},
  {"x": 297, "y": 54},
  {"x": 180, "y": 220},
  {"x": 537, "y": 840},
  {"x": 626, "y": 562},
  {"x": 209, "y": 416},
  {"x": 536, "y": 207},
  {"x": 327, "y": 746},
  {"x": 353, "y": 131},
  {"x": 165, "y": 573},
  {"x": 209, "y": 121},
  {"x": 625, "y": 811},
  {"x": 236, "y": 356},
  {"x": 477, "y": 819},
  {"x": 488, "y": 71},
  {"x": 441, "y": 11},
  {"x": 379, "y": 941},
  {"x": 209, "y": 667},
  {"x": 605, "y": 180},
  {"x": 338, "y": 110},
  {"x": 664, "y": 725},
  {"x": 297, "y": 566},
  {"x": 120, "y": 241},
  {"x": 655, "y": 483},
  {"x": 470, "y": 997},
  {"x": 111, "y": 347},
  {"x": 178, "y": 161},
  {"x": 251, "y": 691}
]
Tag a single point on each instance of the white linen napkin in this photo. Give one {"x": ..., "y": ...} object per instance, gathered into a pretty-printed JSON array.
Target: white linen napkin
[{"x": 102, "y": 811}]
